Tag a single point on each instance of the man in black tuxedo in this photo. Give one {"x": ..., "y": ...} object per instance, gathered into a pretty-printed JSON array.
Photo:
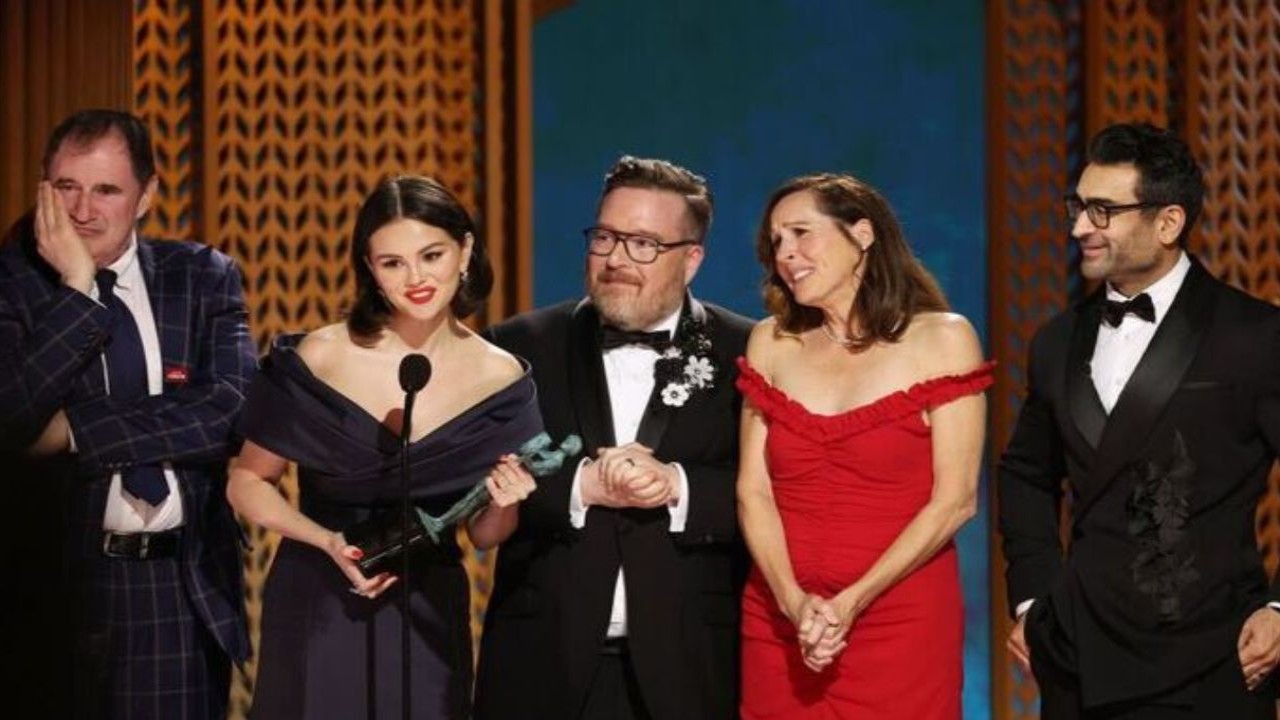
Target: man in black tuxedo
[
  {"x": 618, "y": 595},
  {"x": 1158, "y": 399}
]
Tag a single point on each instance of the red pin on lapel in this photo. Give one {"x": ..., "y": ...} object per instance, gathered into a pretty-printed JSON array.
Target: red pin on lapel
[{"x": 176, "y": 375}]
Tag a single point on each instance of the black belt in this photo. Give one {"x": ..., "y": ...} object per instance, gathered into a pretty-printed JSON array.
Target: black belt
[
  {"x": 141, "y": 546},
  {"x": 615, "y": 646}
]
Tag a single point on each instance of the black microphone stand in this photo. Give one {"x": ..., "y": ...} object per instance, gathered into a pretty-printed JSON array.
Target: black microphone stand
[
  {"x": 415, "y": 372},
  {"x": 405, "y": 693}
]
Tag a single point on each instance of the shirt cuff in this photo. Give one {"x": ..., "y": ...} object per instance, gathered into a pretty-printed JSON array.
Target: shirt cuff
[
  {"x": 680, "y": 508},
  {"x": 577, "y": 510},
  {"x": 1274, "y": 605},
  {"x": 1023, "y": 607}
]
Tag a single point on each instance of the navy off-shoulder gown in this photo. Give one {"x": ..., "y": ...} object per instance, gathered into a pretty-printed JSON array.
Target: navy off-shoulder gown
[{"x": 324, "y": 651}]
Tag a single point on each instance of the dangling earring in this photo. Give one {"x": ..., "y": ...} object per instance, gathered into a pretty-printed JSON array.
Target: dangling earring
[{"x": 462, "y": 277}]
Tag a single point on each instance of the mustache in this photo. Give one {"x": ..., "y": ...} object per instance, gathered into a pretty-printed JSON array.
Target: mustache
[{"x": 614, "y": 276}]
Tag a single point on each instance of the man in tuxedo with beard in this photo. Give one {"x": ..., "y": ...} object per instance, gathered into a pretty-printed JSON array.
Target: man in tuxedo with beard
[
  {"x": 1158, "y": 400},
  {"x": 618, "y": 595}
]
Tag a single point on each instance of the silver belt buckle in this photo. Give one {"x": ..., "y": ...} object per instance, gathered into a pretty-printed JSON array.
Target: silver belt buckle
[{"x": 144, "y": 545}]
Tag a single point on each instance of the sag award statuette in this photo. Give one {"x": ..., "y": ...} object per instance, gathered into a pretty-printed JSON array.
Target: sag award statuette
[{"x": 381, "y": 537}]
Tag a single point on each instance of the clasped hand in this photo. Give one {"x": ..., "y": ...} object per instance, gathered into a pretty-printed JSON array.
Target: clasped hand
[
  {"x": 1259, "y": 646},
  {"x": 822, "y": 625},
  {"x": 629, "y": 476}
]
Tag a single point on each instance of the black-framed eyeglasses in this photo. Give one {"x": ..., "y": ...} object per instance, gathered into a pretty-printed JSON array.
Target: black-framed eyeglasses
[
  {"x": 640, "y": 248},
  {"x": 1099, "y": 212}
]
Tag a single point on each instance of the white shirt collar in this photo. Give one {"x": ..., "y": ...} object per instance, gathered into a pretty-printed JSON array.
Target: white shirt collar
[
  {"x": 126, "y": 266},
  {"x": 1162, "y": 291}
]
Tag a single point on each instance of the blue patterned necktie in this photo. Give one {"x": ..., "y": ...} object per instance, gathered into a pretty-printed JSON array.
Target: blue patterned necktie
[{"x": 127, "y": 376}]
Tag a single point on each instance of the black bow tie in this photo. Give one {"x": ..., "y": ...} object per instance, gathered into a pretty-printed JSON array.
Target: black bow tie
[
  {"x": 1140, "y": 305},
  {"x": 612, "y": 337}
]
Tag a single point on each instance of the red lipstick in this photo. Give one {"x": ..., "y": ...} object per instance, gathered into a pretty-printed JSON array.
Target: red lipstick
[{"x": 420, "y": 295}]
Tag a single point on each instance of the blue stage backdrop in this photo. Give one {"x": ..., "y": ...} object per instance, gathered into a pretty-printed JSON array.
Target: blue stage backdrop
[{"x": 749, "y": 94}]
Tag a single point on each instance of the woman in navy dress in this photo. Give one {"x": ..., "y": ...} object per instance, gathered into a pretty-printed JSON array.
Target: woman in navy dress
[{"x": 331, "y": 402}]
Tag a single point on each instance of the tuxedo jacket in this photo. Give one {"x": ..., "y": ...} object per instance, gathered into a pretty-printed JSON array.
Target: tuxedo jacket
[
  {"x": 1162, "y": 566},
  {"x": 554, "y": 584},
  {"x": 51, "y": 341}
]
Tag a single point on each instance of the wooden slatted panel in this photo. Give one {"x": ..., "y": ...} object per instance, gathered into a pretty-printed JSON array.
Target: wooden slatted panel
[
  {"x": 1233, "y": 124},
  {"x": 165, "y": 95},
  {"x": 1034, "y": 144}
]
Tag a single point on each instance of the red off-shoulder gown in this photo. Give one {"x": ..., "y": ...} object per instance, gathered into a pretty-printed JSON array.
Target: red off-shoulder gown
[{"x": 846, "y": 485}]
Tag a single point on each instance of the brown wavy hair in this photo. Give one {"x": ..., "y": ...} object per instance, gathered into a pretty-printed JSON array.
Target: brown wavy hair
[{"x": 895, "y": 285}]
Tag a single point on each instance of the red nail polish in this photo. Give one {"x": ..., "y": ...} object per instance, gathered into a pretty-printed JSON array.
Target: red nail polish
[{"x": 357, "y": 554}]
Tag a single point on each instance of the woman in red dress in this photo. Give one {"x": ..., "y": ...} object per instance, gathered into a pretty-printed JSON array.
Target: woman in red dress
[{"x": 862, "y": 438}]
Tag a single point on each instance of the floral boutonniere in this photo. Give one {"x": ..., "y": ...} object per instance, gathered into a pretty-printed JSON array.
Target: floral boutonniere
[{"x": 687, "y": 366}]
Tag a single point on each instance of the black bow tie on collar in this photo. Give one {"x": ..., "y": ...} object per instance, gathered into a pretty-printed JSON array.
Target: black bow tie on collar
[
  {"x": 612, "y": 337},
  {"x": 1140, "y": 305}
]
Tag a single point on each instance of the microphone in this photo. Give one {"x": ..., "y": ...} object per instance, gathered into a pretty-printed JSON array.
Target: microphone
[{"x": 415, "y": 371}]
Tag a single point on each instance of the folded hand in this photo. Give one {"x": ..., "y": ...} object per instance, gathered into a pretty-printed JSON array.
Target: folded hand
[{"x": 630, "y": 476}]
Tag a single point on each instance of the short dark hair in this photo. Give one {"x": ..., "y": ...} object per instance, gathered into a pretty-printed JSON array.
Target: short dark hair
[
  {"x": 895, "y": 284},
  {"x": 88, "y": 126},
  {"x": 1167, "y": 172},
  {"x": 424, "y": 199},
  {"x": 651, "y": 174}
]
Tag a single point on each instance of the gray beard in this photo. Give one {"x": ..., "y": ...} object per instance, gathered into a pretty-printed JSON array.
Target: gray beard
[{"x": 628, "y": 314}]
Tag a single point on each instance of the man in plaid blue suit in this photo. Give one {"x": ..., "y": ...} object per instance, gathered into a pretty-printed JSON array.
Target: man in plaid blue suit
[{"x": 123, "y": 364}]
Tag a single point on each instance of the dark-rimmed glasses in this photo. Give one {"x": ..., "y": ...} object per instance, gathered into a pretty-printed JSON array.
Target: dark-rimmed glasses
[
  {"x": 1099, "y": 212},
  {"x": 640, "y": 248}
]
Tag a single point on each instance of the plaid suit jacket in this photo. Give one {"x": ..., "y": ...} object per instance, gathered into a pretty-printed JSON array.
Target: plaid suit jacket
[{"x": 51, "y": 339}]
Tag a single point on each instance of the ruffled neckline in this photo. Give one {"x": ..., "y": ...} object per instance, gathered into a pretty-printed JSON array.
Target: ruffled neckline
[{"x": 910, "y": 401}]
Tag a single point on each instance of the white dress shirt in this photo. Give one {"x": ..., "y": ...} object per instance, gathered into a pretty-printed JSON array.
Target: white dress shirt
[
  {"x": 1118, "y": 350},
  {"x": 629, "y": 373},
  {"x": 126, "y": 513}
]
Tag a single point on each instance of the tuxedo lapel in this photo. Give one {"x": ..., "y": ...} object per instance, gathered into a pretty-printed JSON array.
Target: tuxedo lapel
[
  {"x": 1086, "y": 409},
  {"x": 587, "y": 386},
  {"x": 657, "y": 414},
  {"x": 1153, "y": 383}
]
